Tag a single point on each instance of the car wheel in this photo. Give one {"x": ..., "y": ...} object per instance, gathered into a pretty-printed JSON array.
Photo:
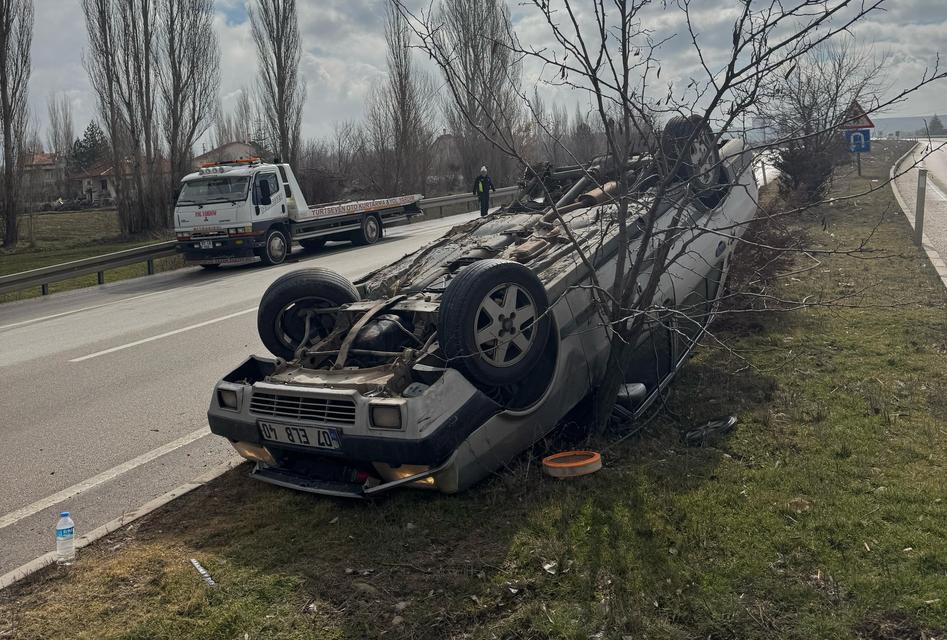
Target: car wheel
[
  {"x": 370, "y": 232},
  {"x": 281, "y": 318},
  {"x": 700, "y": 161},
  {"x": 313, "y": 244},
  {"x": 275, "y": 247},
  {"x": 494, "y": 323}
]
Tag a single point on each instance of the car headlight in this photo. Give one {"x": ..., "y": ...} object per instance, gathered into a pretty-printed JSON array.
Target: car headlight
[
  {"x": 386, "y": 416},
  {"x": 227, "y": 398}
]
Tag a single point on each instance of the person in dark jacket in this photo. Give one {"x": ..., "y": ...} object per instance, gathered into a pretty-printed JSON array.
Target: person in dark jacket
[{"x": 483, "y": 185}]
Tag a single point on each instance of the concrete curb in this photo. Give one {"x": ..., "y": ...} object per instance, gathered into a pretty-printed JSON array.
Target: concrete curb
[
  {"x": 935, "y": 258},
  {"x": 8, "y": 579}
]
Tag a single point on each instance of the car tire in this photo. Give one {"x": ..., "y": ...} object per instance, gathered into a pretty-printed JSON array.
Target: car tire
[
  {"x": 370, "y": 233},
  {"x": 479, "y": 332},
  {"x": 281, "y": 318},
  {"x": 702, "y": 174},
  {"x": 211, "y": 267},
  {"x": 313, "y": 244},
  {"x": 276, "y": 247}
]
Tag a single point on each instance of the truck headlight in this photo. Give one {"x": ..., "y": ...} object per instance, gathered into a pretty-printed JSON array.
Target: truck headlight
[
  {"x": 386, "y": 416},
  {"x": 227, "y": 398}
]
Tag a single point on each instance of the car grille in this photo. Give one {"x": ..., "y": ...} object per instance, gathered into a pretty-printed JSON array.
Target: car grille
[{"x": 303, "y": 408}]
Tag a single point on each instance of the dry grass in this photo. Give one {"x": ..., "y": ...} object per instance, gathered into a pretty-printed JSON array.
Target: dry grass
[{"x": 62, "y": 237}]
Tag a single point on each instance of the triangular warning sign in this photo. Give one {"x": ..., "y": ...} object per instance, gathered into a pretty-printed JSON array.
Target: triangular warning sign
[{"x": 856, "y": 118}]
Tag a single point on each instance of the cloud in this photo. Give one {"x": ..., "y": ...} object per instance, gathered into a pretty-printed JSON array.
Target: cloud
[{"x": 345, "y": 52}]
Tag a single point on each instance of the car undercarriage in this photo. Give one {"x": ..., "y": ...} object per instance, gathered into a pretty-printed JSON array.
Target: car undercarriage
[{"x": 436, "y": 369}]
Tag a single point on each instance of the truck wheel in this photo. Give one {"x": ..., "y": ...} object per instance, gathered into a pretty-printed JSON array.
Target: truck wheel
[
  {"x": 494, "y": 323},
  {"x": 275, "y": 248},
  {"x": 369, "y": 233},
  {"x": 281, "y": 318},
  {"x": 313, "y": 244},
  {"x": 700, "y": 164}
]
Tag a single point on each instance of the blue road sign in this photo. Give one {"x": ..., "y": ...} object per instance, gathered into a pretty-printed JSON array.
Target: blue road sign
[{"x": 859, "y": 140}]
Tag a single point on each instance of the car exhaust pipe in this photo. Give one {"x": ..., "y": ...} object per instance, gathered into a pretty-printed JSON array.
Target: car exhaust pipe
[{"x": 599, "y": 195}]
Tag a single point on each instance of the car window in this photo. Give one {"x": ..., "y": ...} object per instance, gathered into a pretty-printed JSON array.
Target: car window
[
  {"x": 215, "y": 189},
  {"x": 274, "y": 184},
  {"x": 693, "y": 314},
  {"x": 650, "y": 361},
  {"x": 713, "y": 282}
]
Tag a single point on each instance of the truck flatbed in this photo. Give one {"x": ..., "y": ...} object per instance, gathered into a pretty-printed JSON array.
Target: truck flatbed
[{"x": 357, "y": 206}]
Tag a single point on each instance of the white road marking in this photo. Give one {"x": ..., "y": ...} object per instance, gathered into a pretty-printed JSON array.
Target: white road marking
[
  {"x": 80, "y": 310},
  {"x": 163, "y": 335},
  {"x": 49, "y": 501}
]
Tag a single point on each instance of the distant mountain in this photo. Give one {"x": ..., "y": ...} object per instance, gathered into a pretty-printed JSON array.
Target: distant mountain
[{"x": 905, "y": 125}]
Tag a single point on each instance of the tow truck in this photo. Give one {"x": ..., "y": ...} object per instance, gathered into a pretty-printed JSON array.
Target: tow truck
[{"x": 240, "y": 211}]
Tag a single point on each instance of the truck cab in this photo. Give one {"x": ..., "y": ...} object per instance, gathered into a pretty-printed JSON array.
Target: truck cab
[
  {"x": 235, "y": 212},
  {"x": 240, "y": 211}
]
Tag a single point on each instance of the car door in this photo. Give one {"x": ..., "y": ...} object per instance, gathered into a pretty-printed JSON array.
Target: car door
[
  {"x": 652, "y": 358},
  {"x": 277, "y": 204}
]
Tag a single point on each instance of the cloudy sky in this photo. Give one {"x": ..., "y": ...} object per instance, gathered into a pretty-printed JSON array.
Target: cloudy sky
[{"x": 345, "y": 56}]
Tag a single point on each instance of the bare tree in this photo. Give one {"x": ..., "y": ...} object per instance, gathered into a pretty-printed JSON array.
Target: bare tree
[
  {"x": 281, "y": 92},
  {"x": 400, "y": 117},
  {"x": 659, "y": 182},
  {"x": 16, "y": 37},
  {"x": 122, "y": 63},
  {"x": 347, "y": 144},
  {"x": 189, "y": 73},
  {"x": 806, "y": 105},
  {"x": 474, "y": 37},
  {"x": 238, "y": 125},
  {"x": 99, "y": 61},
  {"x": 584, "y": 141},
  {"x": 61, "y": 134}
]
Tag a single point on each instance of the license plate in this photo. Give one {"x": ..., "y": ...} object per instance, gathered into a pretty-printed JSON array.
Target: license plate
[
  {"x": 207, "y": 244},
  {"x": 314, "y": 437}
]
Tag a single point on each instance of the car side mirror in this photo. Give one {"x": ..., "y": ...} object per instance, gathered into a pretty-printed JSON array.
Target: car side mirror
[{"x": 265, "y": 193}]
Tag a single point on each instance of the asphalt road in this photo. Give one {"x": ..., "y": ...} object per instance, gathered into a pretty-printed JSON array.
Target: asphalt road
[
  {"x": 935, "y": 202},
  {"x": 104, "y": 390}
]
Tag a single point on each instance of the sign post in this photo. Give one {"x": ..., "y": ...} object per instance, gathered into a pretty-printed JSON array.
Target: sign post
[
  {"x": 919, "y": 206},
  {"x": 859, "y": 142},
  {"x": 857, "y": 126}
]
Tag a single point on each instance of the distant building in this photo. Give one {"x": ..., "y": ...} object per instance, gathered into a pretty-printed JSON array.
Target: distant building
[
  {"x": 97, "y": 185},
  {"x": 228, "y": 151},
  {"x": 44, "y": 179}
]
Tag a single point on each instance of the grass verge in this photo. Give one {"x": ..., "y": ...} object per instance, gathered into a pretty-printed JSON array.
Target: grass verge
[
  {"x": 63, "y": 237},
  {"x": 820, "y": 516}
]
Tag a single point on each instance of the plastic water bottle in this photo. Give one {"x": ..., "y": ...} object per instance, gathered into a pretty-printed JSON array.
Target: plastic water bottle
[{"x": 65, "y": 539}]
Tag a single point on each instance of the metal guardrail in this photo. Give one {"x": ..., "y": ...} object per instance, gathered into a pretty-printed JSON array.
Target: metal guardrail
[
  {"x": 44, "y": 276},
  {"x": 462, "y": 197}
]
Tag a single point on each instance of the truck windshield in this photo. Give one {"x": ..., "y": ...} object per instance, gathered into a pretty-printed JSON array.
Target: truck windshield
[{"x": 218, "y": 189}]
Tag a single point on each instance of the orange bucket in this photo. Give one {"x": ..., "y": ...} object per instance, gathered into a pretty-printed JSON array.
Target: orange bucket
[{"x": 570, "y": 464}]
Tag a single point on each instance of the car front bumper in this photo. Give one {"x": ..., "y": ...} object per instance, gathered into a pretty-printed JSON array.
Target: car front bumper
[
  {"x": 433, "y": 425},
  {"x": 223, "y": 249}
]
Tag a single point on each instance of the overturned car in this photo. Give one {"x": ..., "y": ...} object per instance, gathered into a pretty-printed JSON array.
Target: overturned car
[{"x": 438, "y": 369}]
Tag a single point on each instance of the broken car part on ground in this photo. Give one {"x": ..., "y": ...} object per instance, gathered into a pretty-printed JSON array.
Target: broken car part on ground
[{"x": 438, "y": 369}]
